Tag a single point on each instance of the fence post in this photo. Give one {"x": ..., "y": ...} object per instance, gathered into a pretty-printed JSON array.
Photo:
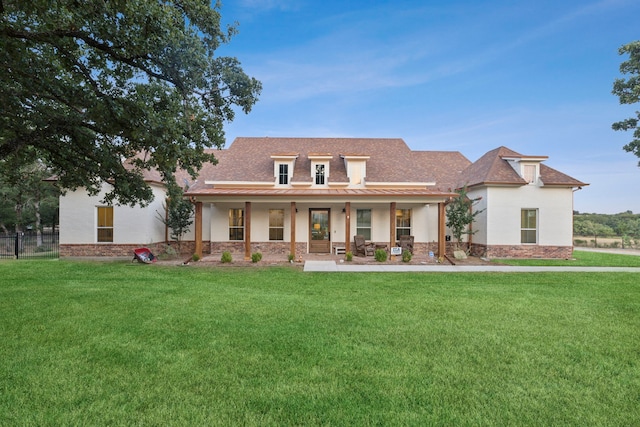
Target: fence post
[{"x": 17, "y": 245}]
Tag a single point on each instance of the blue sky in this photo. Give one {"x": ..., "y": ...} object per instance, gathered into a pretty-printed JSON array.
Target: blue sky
[{"x": 460, "y": 75}]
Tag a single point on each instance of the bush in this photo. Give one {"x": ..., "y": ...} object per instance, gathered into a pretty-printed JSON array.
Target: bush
[
  {"x": 256, "y": 257},
  {"x": 349, "y": 256},
  {"x": 195, "y": 257},
  {"x": 380, "y": 255},
  {"x": 291, "y": 257},
  {"x": 406, "y": 256},
  {"x": 226, "y": 257}
]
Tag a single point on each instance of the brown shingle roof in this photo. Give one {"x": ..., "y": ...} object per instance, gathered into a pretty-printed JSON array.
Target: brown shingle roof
[
  {"x": 550, "y": 176},
  {"x": 492, "y": 168},
  {"x": 390, "y": 160},
  {"x": 444, "y": 166}
]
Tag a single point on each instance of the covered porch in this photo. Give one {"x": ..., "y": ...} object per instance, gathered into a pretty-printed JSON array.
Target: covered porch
[{"x": 322, "y": 223}]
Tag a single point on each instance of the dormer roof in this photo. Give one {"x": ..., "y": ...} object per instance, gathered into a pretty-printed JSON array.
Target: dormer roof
[{"x": 494, "y": 169}]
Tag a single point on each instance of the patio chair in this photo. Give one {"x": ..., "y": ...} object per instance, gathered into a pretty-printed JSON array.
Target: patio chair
[
  {"x": 362, "y": 248},
  {"x": 406, "y": 243}
]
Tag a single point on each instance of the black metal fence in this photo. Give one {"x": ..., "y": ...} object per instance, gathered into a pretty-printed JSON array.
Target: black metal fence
[{"x": 29, "y": 244}]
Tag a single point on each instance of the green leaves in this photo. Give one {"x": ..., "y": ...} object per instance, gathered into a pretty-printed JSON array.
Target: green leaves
[
  {"x": 460, "y": 214},
  {"x": 628, "y": 91},
  {"x": 90, "y": 85}
]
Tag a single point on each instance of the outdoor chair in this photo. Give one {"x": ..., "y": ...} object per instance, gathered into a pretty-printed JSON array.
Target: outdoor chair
[
  {"x": 406, "y": 243},
  {"x": 362, "y": 247}
]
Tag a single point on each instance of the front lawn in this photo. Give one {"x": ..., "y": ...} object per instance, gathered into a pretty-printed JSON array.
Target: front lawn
[
  {"x": 580, "y": 259},
  {"x": 117, "y": 343}
]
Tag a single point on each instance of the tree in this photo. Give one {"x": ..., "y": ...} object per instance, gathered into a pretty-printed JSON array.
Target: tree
[
  {"x": 22, "y": 187},
  {"x": 85, "y": 85},
  {"x": 628, "y": 91},
  {"x": 460, "y": 215},
  {"x": 178, "y": 217},
  {"x": 591, "y": 228}
]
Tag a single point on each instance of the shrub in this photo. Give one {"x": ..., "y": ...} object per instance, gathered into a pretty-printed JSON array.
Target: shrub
[
  {"x": 195, "y": 257},
  {"x": 170, "y": 251},
  {"x": 380, "y": 255},
  {"x": 406, "y": 256},
  {"x": 349, "y": 256},
  {"x": 256, "y": 257},
  {"x": 291, "y": 257},
  {"x": 226, "y": 257}
]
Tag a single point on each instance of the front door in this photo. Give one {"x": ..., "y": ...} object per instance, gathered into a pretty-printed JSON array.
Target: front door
[{"x": 319, "y": 231}]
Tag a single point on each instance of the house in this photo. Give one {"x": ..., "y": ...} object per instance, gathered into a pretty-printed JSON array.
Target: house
[{"x": 284, "y": 196}]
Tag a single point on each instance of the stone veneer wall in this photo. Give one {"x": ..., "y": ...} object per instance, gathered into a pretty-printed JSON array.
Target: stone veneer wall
[
  {"x": 265, "y": 248},
  {"x": 103, "y": 250},
  {"x": 522, "y": 251},
  {"x": 121, "y": 250},
  {"x": 282, "y": 249}
]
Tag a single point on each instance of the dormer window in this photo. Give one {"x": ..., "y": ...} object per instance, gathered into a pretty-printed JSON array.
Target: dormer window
[
  {"x": 283, "y": 166},
  {"x": 283, "y": 174},
  {"x": 530, "y": 173},
  {"x": 320, "y": 174},
  {"x": 320, "y": 168}
]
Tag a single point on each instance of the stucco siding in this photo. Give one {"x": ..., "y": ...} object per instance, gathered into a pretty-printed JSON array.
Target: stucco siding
[
  {"x": 504, "y": 206},
  {"x": 131, "y": 225}
]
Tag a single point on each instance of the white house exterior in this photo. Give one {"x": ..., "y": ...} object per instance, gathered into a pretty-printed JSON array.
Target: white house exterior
[{"x": 284, "y": 196}]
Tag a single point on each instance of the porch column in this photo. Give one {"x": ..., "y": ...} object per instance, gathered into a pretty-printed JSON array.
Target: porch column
[
  {"x": 292, "y": 249},
  {"x": 441, "y": 230},
  {"x": 198, "y": 230},
  {"x": 166, "y": 219},
  {"x": 247, "y": 231},
  {"x": 347, "y": 226},
  {"x": 392, "y": 225}
]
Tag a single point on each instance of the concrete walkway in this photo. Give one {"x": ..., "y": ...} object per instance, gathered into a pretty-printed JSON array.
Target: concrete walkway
[{"x": 332, "y": 266}]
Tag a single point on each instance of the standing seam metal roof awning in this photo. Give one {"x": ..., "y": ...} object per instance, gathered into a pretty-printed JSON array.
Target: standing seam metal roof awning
[{"x": 338, "y": 193}]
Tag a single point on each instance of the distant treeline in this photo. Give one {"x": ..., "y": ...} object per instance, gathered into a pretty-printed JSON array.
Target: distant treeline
[{"x": 625, "y": 225}]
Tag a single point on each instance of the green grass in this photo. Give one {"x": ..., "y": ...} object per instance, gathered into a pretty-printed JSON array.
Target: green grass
[
  {"x": 118, "y": 343},
  {"x": 581, "y": 259}
]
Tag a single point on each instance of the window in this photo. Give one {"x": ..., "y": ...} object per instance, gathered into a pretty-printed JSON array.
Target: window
[
  {"x": 529, "y": 226},
  {"x": 363, "y": 223},
  {"x": 236, "y": 224},
  {"x": 320, "y": 174},
  {"x": 276, "y": 224},
  {"x": 105, "y": 224},
  {"x": 283, "y": 174},
  {"x": 529, "y": 172},
  {"x": 403, "y": 223}
]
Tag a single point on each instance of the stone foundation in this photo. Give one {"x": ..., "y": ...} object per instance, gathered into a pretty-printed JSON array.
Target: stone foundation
[
  {"x": 122, "y": 250},
  {"x": 105, "y": 250},
  {"x": 282, "y": 249},
  {"x": 522, "y": 251},
  {"x": 272, "y": 249}
]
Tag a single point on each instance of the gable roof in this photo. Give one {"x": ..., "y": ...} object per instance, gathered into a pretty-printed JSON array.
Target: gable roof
[
  {"x": 493, "y": 169},
  {"x": 249, "y": 161}
]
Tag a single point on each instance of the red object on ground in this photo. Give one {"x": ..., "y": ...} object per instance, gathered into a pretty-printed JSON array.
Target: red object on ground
[{"x": 143, "y": 255}]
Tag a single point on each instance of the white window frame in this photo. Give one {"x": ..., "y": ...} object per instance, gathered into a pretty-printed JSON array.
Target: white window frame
[
  {"x": 235, "y": 227},
  {"x": 404, "y": 227},
  {"x": 364, "y": 230},
  {"x": 283, "y": 176},
  {"x": 100, "y": 226},
  {"x": 527, "y": 228},
  {"x": 320, "y": 171},
  {"x": 276, "y": 227}
]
